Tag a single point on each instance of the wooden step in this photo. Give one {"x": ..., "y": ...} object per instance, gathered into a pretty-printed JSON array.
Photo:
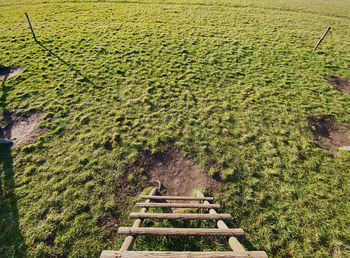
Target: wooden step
[
  {"x": 188, "y": 198},
  {"x": 187, "y": 216},
  {"x": 139, "y": 254},
  {"x": 177, "y": 205},
  {"x": 180, "y": 231}
]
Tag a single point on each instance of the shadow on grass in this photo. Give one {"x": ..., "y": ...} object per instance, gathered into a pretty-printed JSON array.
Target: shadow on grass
[
  {"x": 12, "y": 243},
  {"x": 66, "y": 63},
  {"x": 248, "y": 245},
  {"x": 3, "y": 92}
]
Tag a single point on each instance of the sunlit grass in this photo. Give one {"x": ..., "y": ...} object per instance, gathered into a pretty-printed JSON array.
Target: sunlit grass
[{"x": 229, "y": 83}]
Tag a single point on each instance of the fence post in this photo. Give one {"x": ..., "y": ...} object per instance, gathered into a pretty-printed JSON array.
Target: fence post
[{"x": 30, "y": 26}]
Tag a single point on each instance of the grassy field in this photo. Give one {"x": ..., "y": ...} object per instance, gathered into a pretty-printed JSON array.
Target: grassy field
[{"x": 229, "y": 83}]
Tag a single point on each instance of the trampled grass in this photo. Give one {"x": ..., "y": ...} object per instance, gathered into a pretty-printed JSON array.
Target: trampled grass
[{"x": 230, "y": 83}]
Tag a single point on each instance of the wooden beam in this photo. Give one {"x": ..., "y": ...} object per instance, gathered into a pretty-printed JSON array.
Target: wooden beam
[
  {"x": 189, "y": 198},
  {"x": 232, "y": 241},
  {"x": 168, "y": 254},
  {"x": 177, "y": 205},
  {"x": 180, "y": 231},
  {"x": 193, "y": 216},
  {"x": 129, "y": 240}
]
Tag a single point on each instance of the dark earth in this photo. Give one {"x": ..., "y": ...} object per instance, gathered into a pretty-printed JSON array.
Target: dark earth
[
  {"x": 179, "y": 175},
  {"x": 340, "y": 83},
  {"x": 329, "y": 135}
]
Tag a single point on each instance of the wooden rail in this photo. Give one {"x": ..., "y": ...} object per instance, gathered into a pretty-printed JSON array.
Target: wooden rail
[
  {"x": 177, "y": 205},
  {"x": 180, "y": 231},
  {"x": 129, "y": 240},
  {"x": 222, "y": 229},
  {"x": 139, "y": 254},
  {"x": 233, "y": 242},
  {"x": 187, "y": 216},
  {"x": 187, "y": 198}
]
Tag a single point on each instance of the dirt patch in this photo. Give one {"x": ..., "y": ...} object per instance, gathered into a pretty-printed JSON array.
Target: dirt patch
[
  {"x": 22, "y": 129},
  {"x": 340, "y": 83},
  {"x": 328, "y": 134},
  {"x": 178, "y": 174},
  {"x": 6, "y": 72}
]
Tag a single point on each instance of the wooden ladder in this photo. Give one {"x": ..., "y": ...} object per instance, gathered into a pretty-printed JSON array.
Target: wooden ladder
[{"x": 221, "y": 230}]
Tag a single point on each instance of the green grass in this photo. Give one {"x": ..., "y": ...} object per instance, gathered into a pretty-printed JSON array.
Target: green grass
[{"x": 228, "y": 82}]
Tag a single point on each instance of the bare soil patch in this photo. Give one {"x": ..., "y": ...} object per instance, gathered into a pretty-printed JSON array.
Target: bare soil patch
[
  {"x": 178, "y": 174},
  {"x": 23, "y": 129},
  {"x": 328, "y": 134},
  {"x": 340, "y": 83},
  {"x": 6, "y": 72}
]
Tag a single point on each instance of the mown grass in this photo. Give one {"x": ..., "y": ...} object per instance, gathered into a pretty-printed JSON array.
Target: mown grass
[{"x": 228, "y": 82}]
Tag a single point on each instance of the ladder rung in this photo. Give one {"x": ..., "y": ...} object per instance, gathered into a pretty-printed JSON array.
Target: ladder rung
[
  {"x": 180, "y": 231},
  {"x": 139, "y": 254},
  {"x": 177, "y": 205},
  {"x": 194, "y": 216},
  {"x": 189, "y": 198}
]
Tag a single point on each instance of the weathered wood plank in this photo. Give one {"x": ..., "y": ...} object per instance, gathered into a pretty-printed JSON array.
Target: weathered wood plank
[
  {"x": 189, "y": 198},
  {"x": 177, "y": 205},
  {"x": 180, "y": 231},
  {"x": 139, "y": 254},
  {"x": 187, "y": 216}
]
